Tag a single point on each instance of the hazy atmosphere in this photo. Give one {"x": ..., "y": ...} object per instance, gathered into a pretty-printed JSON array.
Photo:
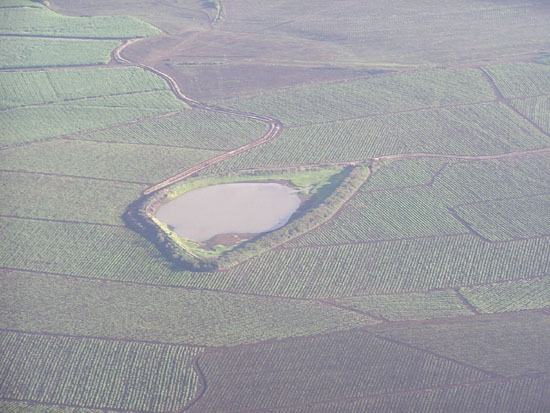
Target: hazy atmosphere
[{"x": 274, "y": 206}]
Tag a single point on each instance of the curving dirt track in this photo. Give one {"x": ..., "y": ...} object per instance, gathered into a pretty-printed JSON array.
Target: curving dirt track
[{"x": 274, "y": 125}]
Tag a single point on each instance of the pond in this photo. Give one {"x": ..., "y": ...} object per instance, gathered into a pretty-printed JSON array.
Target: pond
[{"x": 237, "y": 208}]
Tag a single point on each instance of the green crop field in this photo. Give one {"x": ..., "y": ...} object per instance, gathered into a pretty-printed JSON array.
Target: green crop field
[
  {"x": 510, "y": 296},
  {"x": 118, "y": 375},
  {"x": 405, "y": 173},
  {"x": 385, "y": 215},
  {"x": 517, "y": 80},
  {"x": 505, "y": 178},
  {"x": 172, "y": 315},
  {"x": 413, "y": 306},
  {"x": 414, "y": 275},
  {"x": 426, "y": 209},
  {"x": 111, "y": 161},
  {"x": 44, "y": 22},
  {"x": 422, "y": 264},
  {"x": 481, "y": 129},
  {"x": 120, "y": 254},
  {"x": 508, "y": 219},
  {"x": 195, "y": 128},
  {"x": 39, "y": 87},
  {"x": 31, "y": 124},
  {"x": 330, "y": 367},
  {"x": 65, "y": 102},
  {"x": 367, "y": 97},
  {"x": 29, "y": 52},
  {"x": 536, "y": 109},
  {"x": 28, "y": 195}
]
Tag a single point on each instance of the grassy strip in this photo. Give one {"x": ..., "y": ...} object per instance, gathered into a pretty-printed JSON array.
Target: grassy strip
[
  {"x": 31, "y": 21},
  {"x": 329, "y": 188}
]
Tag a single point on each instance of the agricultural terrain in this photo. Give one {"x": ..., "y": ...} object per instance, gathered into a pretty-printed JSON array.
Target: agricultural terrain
[{"x": 422, "y": 284}]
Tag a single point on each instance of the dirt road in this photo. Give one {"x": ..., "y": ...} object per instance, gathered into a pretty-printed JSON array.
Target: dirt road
[{"x": 274, "y": 125}]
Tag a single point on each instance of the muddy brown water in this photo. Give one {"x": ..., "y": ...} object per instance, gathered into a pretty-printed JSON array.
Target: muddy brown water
[{"x": 238, "y": 208}]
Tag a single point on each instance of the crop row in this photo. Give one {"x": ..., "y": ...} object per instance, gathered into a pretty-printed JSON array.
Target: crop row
[
  {"x": 537, "y": 109},
  {"x": 404, "y": 173},
  {"x": 507, "y": 219},
  {"x": 516, "y": 80},
  {"x": 40, "y": 21},
  {"x": 344, "y": 100},
  {"x": 57, "y": 304},
  {"x": 126, "y": 162},
  {"x": 513, "y": 345},
  {"x": 26, "y": 407},
  {"x": 510, "y": 296},
  {"x": 96, "y": 373},
  {"x": 488, "y": 180},
  {"x": 31, "y": 124},
  {"x": 29, "y": 52},
  {"x": 35, "y": 87},
  {"x": 73, "y": 199},
  {"x": 412, "y": 306},
  {"x": 81, "y": 249},
  {"x": 195, "y": 128},
  {"x": 330, "y": 367}
]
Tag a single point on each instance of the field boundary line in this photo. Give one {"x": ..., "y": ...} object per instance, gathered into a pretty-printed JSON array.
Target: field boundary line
[
  {"x": 506, "y": 101},
  {"x": 160, "y": 286},
  {"x": 62, "y": 221},
  {"x": 100, "y": 338},
  {"x": 202, "y": 384},
  {"x": 330, "y": 303},
  {"x": 374, "y": 326},
  {"x": 420, "y": 155},
  {"x": 440, "y": 356},
  {"x": 420, "y": 109},
  {"x": 435, "y": 290},
  {"x": 467, "y": 225},
  {"x": 80, "y": 99},
  {"x": 142, "y": 144},
  {"x": 376, "y": 241},
  {"x": 75, "y": 176},
  {"x": 53, "y": 36},
  {"x": 70, "y": 135},
  {"x": 267, "y": 296},
  {"x": 500, "y": 199},
  {"x": 419, "y": 238},
  {"x": 465, "y": 301},
  {"x": 398, "y": 112}
]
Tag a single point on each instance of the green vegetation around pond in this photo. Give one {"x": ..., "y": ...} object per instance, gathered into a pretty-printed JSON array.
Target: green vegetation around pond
[{"x": 322, "y": 190}]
